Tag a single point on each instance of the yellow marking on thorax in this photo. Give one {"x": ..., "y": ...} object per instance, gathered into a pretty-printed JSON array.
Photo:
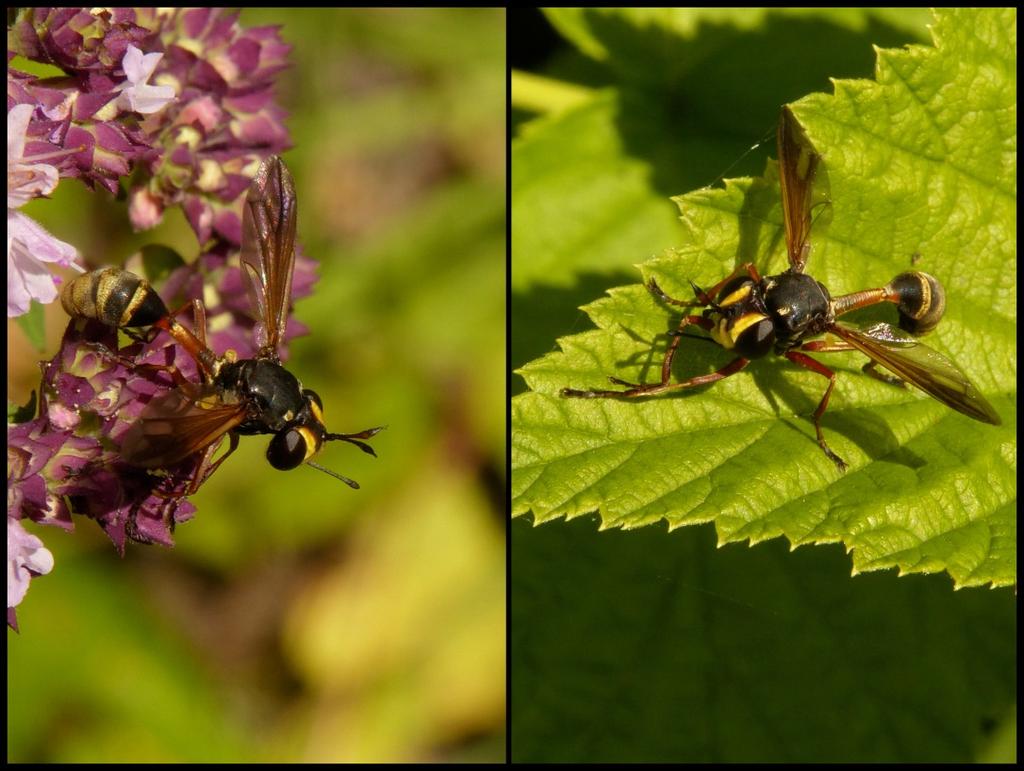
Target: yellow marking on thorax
[
  {"x": 738, "y": 296},
  {"x": 726, "y": 335}
]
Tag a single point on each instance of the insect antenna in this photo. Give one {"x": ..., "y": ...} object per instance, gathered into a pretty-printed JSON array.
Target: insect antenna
[
  {"x": 677, "y": 333},
  {"x": 354, "y": 438},
  {"x": 350, "y": 482}
]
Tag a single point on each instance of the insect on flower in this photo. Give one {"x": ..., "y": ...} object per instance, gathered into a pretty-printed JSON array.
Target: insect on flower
[
  {"x": 753, "y": 316},
  {"x": 236, "y": 397}
]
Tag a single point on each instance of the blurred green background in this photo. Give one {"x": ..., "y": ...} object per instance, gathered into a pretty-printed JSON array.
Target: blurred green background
[{"x": 297, "y": 619}]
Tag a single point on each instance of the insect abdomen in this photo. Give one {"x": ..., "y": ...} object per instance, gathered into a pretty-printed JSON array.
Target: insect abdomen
[
  {"x": 922, "y": 301},
  {"x": 113, "y": 297}
]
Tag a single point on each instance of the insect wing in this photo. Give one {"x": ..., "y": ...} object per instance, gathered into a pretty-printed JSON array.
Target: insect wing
[
  {"x": 177, "y": 424},
  {"x": 799, "y": 166},
  {"x": 268, "y": 249},
  {"x": 924, "y": 367}
]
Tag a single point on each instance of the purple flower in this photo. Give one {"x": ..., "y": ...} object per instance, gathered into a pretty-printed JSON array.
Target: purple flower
[
  {"x": 25, "y": 180},
  {"x": 26, "y": 558},
  {"x": 136, "y": 94},
  {"x": 29, "y": 245},
  {"x": 67, "y": 461},
  {"x": 194, "y": 139},
  {"x": 223, "y": 124}
]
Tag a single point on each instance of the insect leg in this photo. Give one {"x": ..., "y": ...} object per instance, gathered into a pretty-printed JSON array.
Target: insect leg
[
  {"x": 204, "y": 470},
  {"x": 651, "y": 389},
  {"x": 105, "y": 353},
  {"x": 704, "y": 298},
  {"x": 171, "y": 497},
  {"x": 677, "y": 335},
  {"x": 666, "y": 366},
  {"x": 199, "y": 317},
  {"x": 871, "y": 368},
  {"x": 806, "y": 361},
  {"x": 821, "y": 346}
]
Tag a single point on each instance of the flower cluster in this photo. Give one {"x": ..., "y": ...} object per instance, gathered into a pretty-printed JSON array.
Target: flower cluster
[
  {"x": 66, "y": 461},
  {"x": 191, "y": 137},
  {"x": 177, "y": 105}
]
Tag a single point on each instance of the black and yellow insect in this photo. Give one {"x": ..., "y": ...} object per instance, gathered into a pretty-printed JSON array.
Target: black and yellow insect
[
  {"x": 753, "y": 316},
  {"x": 236, "y": 397}
]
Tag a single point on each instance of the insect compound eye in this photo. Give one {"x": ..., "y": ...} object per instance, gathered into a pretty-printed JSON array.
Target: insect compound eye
[
  {"x": 756, "y": 340},
  {"x": 922, "y": 301},
  {"x": 287, "y": 449}
]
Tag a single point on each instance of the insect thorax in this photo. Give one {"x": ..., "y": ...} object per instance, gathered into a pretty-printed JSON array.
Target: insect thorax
[
  {"x": 799, "y": 307},
  {"x": 273, "y": 394}
]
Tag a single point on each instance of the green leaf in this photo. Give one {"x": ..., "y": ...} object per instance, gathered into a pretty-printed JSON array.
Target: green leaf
[
  {"x": 572, "y": 178},
  {"x": 921, "y": 161},
  {"x": 21, "y": 413},
  {"x": 33, "y": 324},
  {"x": 622, "y": 35},
  {"x": 641, "y": 646}
]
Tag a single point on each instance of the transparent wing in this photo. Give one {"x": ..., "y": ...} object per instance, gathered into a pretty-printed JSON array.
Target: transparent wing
[
  {"x": 268, "y": 250},
  {"x": 924, "y": 367},
  {"x": 177, "y": 424},
  {"x": 798, "y": 166}
]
